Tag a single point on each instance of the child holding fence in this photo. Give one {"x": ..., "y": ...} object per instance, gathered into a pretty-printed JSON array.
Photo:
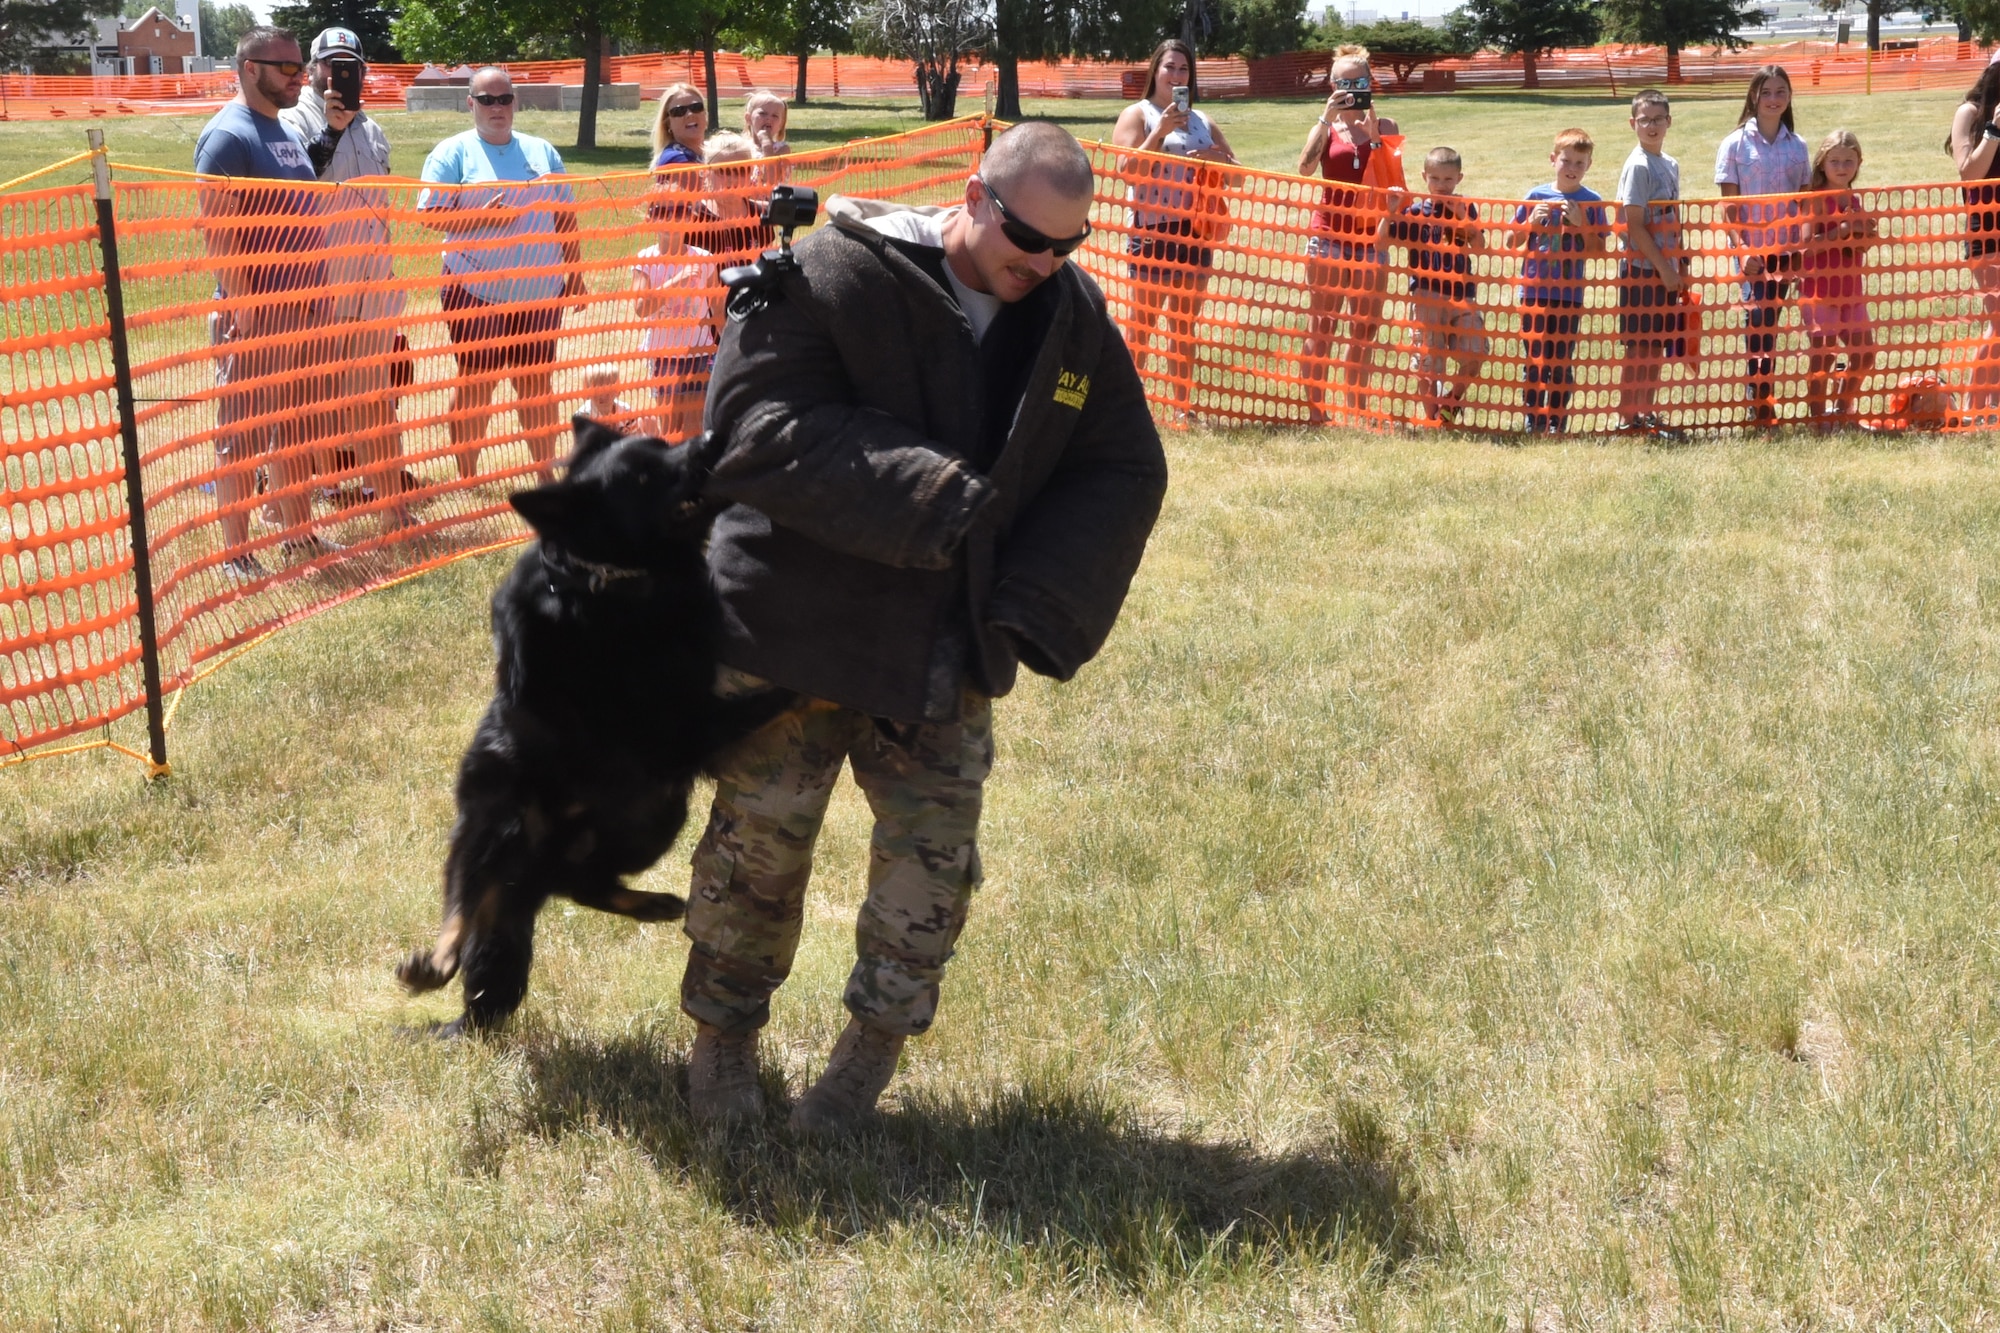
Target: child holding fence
[
  {"x": 682, "y": 307},
  {"x": 1651, "y": 288},
  {"x": 1440, "y": 233},
  {"x": 1559, "y": 226},
  {"x": 1763, "y": 155},
  {"x": 1831, "y": 303}
]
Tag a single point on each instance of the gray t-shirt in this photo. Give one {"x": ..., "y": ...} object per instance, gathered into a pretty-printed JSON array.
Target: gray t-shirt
[
  {"x": 928, "y": 229},
  {"x": 1653, "y": 179}
]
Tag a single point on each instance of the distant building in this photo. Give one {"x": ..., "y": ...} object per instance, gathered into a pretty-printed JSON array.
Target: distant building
[{"x": 158, "y": 43}]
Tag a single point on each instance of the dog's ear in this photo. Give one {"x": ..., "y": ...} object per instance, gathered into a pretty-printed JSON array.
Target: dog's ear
[
  {"x": 592, "y": 437},
  {"x": 554, "y": 511}
]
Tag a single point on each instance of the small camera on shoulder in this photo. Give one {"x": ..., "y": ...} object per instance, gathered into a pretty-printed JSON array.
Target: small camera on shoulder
[{"x": 753, "y": 286}]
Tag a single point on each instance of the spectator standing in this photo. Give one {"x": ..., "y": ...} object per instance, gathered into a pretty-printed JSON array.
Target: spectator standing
[
  {"x": 676, "y": 293},
  {"x": 267, "y": 248},
  {"x": 510, "y": 265},
  {"x": 1651, "y": 315},
  {"x": 1169, "y": 244},
  {"x": 1441, "y": 233},
  {"x": 1560, "y": 225},
  {"x": 371, "y": 355},
  {"x": 1832, "y": 303},
  {"x": 942, "y": 466},
  {"x": 1354, "y": 145},
  {"x": 1764, "y": 156},
  {"x": 1975, "y": 149},
  {"x": 764, "y": 117},
  {"x": 680, "y": 128}
]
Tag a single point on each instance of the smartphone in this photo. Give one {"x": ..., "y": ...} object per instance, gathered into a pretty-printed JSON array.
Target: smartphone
[
  {"x": 1181, "y": 97},
  {"x": 1363, "y": 99},
  {"x": 345, "y": 79}
]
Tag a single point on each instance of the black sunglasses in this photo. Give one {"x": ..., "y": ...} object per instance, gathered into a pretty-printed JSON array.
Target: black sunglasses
[
  {"x": 288, "y": 68},
  {"x": 1025, "y": 238},
  {"x": 687, "y": 109},
  {"x": 493, "y": 99}
]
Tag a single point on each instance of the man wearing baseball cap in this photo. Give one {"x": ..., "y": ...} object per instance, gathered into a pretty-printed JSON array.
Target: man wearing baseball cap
[{"x": 344, "y": 143}]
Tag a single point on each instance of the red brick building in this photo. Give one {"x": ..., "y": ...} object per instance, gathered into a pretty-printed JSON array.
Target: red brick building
[{"x": 157, "y": 36}]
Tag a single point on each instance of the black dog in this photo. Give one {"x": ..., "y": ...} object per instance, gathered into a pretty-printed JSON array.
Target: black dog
[{"x": 604, "y": 714}]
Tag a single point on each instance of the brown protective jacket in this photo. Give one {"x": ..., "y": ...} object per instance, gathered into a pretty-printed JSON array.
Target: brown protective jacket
[{"x": 868, "y": 560}]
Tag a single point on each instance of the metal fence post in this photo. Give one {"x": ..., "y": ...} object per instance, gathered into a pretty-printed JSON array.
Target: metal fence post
[{"x": 135, "y": 490}]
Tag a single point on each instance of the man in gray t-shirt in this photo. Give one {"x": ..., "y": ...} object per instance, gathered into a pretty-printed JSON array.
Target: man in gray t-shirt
[{"x": 1650, "y": 314}]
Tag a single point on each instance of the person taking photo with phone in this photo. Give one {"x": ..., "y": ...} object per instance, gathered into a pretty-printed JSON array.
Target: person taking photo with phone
[
  {"x": 1353, "y": 145},
  {"x": 343, "y": 143},
  {"x": 1172, "y": 240}
]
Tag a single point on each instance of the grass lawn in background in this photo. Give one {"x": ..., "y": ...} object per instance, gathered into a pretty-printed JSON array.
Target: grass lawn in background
[
  {"x": 1504, "y": 136},
  {"x": 1476, "y": 888}
]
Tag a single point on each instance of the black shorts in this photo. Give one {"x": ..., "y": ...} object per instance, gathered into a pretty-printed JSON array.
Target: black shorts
[
  {"x": 486, "y": 337},
  {"x": 1652, "y": 320},
  {"x": 1158, "y": 243}
]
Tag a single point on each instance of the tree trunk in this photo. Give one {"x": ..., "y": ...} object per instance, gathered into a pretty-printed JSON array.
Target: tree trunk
[
  {"x": 593, "y": 74},
  {"x": 708, "y": 71},
  {"x": 1874, "y": 27},
  {"x": 1008, "y": 105},
  {"x": 937, "y": 89},
  {"x": 805, "y": 53},
  {"x": 1530, "y": 78},
  {"x": 1964, "y": 30},
  {"x": 1673, "y": 62}
]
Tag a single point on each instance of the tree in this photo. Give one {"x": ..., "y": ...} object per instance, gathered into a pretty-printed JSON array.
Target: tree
[
  {"x": 1055, "y": 29},
  {"x": 26, "y": 26},
  {"x": 222, "y": 26},
  {"x": 1254, "y": 28},
  {"x": 474, "y": 33},
  {"x": 1959, "y": 12},
  {"x": 933, "y": 35},
  {"x": 1675, "y": 24},
  {"x": 799, "y": 28},
  {"x": 370, "y": 20},
  {"x": 1530, "y": 28},
  {"x": 1405, "y": 47},
  {"x": 682, "y": 25}
]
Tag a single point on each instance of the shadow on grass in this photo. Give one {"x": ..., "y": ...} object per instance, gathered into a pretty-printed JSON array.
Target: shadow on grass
[{"x": 1060, "y": 1170}]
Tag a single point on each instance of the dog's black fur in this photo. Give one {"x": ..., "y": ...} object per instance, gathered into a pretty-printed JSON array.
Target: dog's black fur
[{"x": 604, "y": 714}]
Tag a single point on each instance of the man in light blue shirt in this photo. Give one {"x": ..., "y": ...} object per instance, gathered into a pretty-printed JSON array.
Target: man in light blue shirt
[{"x": 510, "y": 267}]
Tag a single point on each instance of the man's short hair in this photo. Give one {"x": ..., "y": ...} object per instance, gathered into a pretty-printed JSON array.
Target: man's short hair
[
  {"x": 1442, "y": 156},
  {"x": 1650, "y": 97},
  {"x": 501, "y": 70},
  {"x": 261, "y": 37},
  {"x": 1578, "y": 141},
  {"x": 1042, "y": 149}
]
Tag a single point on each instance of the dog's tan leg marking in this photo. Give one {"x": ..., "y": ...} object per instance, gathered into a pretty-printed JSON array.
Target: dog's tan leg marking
[{"x": 423, "y": 971}]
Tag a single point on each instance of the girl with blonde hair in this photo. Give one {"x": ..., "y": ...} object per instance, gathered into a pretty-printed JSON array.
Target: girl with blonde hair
[{"x": 1831, "y": 301}]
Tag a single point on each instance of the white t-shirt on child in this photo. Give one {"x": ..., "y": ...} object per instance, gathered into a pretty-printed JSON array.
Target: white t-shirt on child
[{"x": 681, "y": 326}]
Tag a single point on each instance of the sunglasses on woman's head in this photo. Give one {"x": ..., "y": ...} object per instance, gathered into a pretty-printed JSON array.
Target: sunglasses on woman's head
[
  {"x": 289, "y": 68},
  {"x": 1025, "y": 238},
  {"x": 494, "y": 99},
  {"x": 689, "y": 109}
]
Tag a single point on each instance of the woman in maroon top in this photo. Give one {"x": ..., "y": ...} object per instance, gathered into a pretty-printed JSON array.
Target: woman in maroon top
[{"x": 1344, "y": 274}]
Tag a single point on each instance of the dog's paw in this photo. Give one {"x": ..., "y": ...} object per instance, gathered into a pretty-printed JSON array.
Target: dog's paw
[
  {"x": 419, "y": 973},
  {"x": 661, "y": 907}
]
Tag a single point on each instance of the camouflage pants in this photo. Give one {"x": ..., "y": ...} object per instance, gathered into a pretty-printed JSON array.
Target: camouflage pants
[{"x": 923, "y": 782}]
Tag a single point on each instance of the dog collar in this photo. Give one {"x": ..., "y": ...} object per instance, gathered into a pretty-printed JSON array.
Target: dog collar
[{"x": 595, "y": 575}]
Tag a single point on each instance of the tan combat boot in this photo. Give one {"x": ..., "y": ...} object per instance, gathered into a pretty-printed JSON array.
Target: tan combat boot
[
  {"x": 722, "y": 1077},
  {"x": 863, "y": 1062}
]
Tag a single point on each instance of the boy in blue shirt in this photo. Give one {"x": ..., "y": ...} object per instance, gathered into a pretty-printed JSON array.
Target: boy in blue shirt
[
  {"x": 1440, "y": 232},
  {"x": 1560, "y": 225}
]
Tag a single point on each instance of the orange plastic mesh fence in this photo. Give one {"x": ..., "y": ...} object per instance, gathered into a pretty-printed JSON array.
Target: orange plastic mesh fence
[
  {"x": 1253, "y": 297},
  {"x": 338, "y": 386},
  {"x": 68, "y": 646}
]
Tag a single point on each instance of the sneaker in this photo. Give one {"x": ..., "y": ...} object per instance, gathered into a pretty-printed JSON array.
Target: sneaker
[
  {"x": 312, "y": 546},
  {"x": 244, "y": 569}
]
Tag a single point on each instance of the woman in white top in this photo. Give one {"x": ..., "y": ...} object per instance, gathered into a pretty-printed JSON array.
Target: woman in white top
[{"x": 1170, "y": 262}]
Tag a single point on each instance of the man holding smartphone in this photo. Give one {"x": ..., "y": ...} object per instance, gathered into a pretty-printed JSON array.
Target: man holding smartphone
[{"x": 343, "y": 144}]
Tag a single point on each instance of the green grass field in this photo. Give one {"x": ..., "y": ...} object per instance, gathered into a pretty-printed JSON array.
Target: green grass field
[
  {"x": 1477, "y": 888},
  {"x": 1504, "y": 137}
]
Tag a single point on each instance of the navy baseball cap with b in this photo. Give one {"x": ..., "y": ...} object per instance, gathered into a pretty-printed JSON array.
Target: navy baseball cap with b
[{"x": 337, "y": 44}]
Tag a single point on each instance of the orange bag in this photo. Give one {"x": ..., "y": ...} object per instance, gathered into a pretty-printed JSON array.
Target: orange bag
[{"x": 1385, "y": 166}]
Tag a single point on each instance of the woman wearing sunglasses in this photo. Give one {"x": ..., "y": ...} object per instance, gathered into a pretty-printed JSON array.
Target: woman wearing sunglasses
[
  {"x": 681, "y": 127},
  {"x": 1353, "y": 146},
  {"x": 1170, "y": 262}
]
